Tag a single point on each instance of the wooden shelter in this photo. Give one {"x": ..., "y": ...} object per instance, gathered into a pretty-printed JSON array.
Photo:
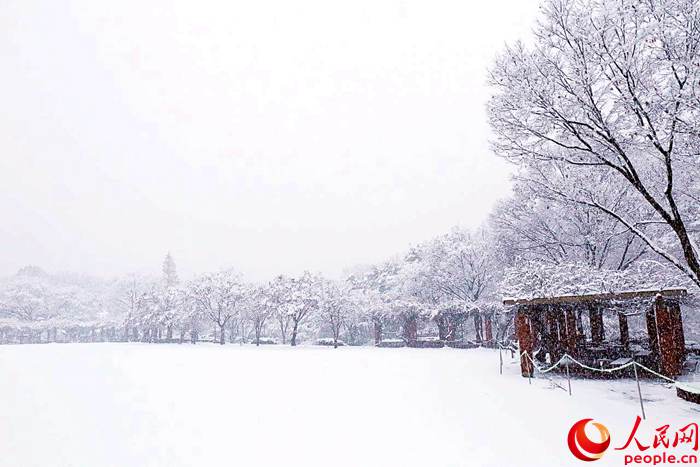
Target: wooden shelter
[{"x": 554, "y": 326}]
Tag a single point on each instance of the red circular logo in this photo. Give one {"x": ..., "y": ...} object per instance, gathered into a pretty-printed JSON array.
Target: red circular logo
[{"x": 582, "y": 446}]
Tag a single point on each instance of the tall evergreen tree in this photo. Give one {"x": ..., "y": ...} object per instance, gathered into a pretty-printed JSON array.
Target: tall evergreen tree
[{"x": 169, "y": 271}]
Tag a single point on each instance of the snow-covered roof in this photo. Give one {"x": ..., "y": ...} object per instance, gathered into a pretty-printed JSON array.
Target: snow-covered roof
[{"x": 608, "y": 296}]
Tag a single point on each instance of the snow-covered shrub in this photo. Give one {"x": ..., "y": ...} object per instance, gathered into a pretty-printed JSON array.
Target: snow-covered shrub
[{"x": 329, "y": 342}]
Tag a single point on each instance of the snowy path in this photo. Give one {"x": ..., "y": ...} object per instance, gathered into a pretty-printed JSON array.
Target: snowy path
[{"x": 97, "y": 405}]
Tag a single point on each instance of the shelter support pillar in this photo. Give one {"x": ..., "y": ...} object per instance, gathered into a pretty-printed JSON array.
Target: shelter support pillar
[
  {"x": 653, "y": 333},
  {"x": 624, "y": 331},
  {"x": 571, "y": 331},
  {"x": 596, "y": 319},
  {"x": 671, "y": 343},
  {"x": 488, "y": 329},
  {"x": 550, "y": 330},
  {"x": 526, "y": 340}
]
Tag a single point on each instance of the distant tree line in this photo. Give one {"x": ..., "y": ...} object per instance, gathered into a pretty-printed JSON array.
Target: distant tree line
[{"x": 600, "y": 117}]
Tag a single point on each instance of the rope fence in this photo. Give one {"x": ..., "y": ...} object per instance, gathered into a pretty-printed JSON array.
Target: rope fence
[{"x": 566, "y": 359}]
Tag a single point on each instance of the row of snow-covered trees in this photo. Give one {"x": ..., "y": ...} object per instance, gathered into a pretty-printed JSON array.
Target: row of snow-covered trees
[
  {"x": 450, "y": 287},
  {"x": 600, "y": 116},
  {"x": 225, "y": 305},
  {"x": 415, "y": 293},
  {"x": 39, "y": 307}
]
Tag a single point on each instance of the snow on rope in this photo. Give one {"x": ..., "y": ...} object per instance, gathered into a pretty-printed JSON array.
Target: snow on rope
[{"x": 567, "y": 357}]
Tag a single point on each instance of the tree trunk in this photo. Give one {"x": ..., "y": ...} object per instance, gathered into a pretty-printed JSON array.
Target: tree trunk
[
  {"x": 294, "y": 333},
  {"x": 242, "y": 331},
  {"x": 170, "y": 333},
  {"x": 336, "y": 335},
  {"x": 222, "y": 337},
  {"x": 477, "y": 327},
  {"x": 410, "y": 330},
  {"x": 283, "y": 331},
  {"x": 441, "y": 322},
  {"x": 182, "y": 335},
  {"x": 488, "y": 329},
  {"x": 377, "y": 332}
]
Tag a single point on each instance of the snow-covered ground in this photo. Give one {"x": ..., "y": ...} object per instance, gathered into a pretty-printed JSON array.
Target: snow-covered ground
[{"x": 96, "y": 405}]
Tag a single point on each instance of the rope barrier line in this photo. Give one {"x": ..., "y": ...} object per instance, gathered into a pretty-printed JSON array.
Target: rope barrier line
[
  {"x": 655, "y": 373},
  {"x": 568, "y": 357},
  {"x": 514, "y": 349}
]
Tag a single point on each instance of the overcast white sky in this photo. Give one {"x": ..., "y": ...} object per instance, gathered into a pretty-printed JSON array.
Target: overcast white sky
[{"x": 272, "y": 136}]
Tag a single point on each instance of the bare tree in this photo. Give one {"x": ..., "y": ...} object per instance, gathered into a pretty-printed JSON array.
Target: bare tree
[
  {"x": 610, "y": 87},
  {"x": 219, "y": 296},
  {"x": 304, "y": 301},
  {"x": 333, "y": 308},
  {"x": 280, "y": 293},
  {"x": 259, "y": 308},
  {"x": 130, "y": 298},
  {"x": 535, "y": 225}
]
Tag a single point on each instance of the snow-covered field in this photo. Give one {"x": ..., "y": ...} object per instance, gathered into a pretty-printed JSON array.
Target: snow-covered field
[{"x": 96, "y": 405}]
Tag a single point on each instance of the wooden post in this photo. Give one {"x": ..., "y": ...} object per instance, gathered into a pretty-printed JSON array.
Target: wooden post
[
  {"x": 596, "y": 318},
  {"x": 652, "y": 331},
  {"x": 550, "y": 332},
  {"x": 571, "y": 332},
  {"x": 671, "y": 342},
  {"x": 525, "y": 339},
  {"x": 624, "y": 331},
  {"x": 639, "y": 391},
  {"x": 678, "y": 334},
  {"x": 500, "y": 359}
]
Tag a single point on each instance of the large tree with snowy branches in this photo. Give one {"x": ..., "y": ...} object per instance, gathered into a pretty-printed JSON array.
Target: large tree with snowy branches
[{"x": 610, "y": 86}]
